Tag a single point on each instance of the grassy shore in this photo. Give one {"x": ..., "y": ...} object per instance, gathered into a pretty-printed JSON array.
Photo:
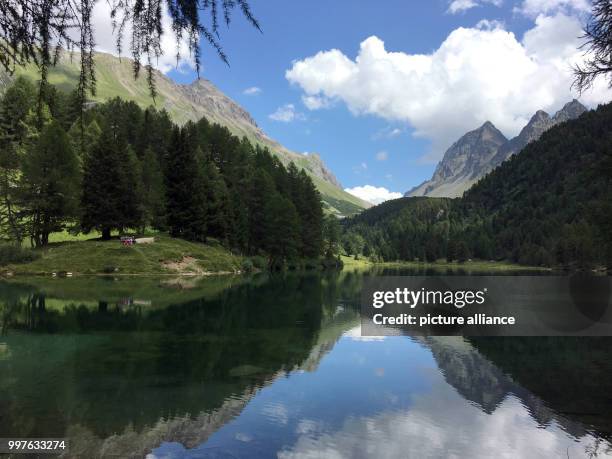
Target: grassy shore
[
  {"x": 178, "y": 257},
  {"x": 165, "y": 256},
  {"x": 471, "y": 265}
]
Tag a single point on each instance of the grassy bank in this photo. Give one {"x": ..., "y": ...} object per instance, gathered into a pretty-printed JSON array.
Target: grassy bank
[
  {"x": 472, "y": 265},
  {"x": 165, "y": 256}
]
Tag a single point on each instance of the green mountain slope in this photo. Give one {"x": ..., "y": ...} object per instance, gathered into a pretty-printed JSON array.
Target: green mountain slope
[
  {"x": 549, "y": 205},
  {"x": 193, "y": 101}
]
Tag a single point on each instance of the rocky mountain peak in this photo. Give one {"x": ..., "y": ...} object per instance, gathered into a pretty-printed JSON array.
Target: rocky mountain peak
[
  {"x": 539, "y": 116},
  {"x": 570, "y": 111},
  {"x": 489, "y": 133},
  {"x": 469, "y": 154},
  {"x": 539, "y": 122},
  {"x": 481, "y": 150}
]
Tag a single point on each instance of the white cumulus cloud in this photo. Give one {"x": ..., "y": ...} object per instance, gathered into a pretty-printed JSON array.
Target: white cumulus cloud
[
  {"x": 375, "y": 195},
  {"x": 252, "y": 91},
  {"x": 537, "y": 7},
  {"x": 457, "y": 6},
  {"x": 315, "y": 102},
  {"x": 286, "y": 114},
  {"x": 476, "y": 74}
]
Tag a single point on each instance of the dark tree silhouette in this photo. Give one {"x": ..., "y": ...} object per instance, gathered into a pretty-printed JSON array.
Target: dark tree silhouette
[{"x": 598, "y": 47}]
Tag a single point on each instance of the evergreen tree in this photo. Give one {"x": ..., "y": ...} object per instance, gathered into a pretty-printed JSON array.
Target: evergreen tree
[
  {"x": 110, "y": 198},
  {"x": 260, "y": 192},
  {"x": 153, "y": 191},
  {"x": 185, "y": 187},
  {"x": 50, "y": 184},
  {"x": 217, "y": 200},
  {"x": 17, "y": 101},
  {"x": 451, "y": 251},
  {"x": 281, "y": 237},
  {"x": 83, "y": 140},
  {"x": 311, "y": 214},
  {"x": 331, "y": 235},
  {"x": 463, "y": 253}
]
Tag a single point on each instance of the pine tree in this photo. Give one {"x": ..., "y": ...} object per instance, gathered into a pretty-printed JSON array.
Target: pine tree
[
  {"x": 331, "y": 235},
  {"x": 217, "y": 203},
  {"x": 451, "y": 251},
  {"x": 463, "y": 253},
  {"x": 260, "y": 191},
  {"x": 50, "y": 184},
  {"x": 239, "y": 220},
  {"x": 153, "y": 191},
  {"x": 185, "y": 187},
  {"x": 308, "y": 204},
  {"x": 281, "y": 236},
  {"x": 17, "y": 102},
  {"x": 110, "y": 193},
  {"x": 84, "y": 140}
]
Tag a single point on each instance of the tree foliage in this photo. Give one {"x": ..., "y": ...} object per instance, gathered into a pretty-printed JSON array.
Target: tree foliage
[
  {"x": 597, "y": 47},
  {"x": 110, "y": 186},
  {"x": 50, "y": 185},
  {"x": 38, "y": 30}
]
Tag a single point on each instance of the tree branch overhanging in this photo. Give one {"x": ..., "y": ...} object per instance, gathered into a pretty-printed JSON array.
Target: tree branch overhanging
[
  {"x": 35, "y": 31},
  {"x": 597, "y": 48}
]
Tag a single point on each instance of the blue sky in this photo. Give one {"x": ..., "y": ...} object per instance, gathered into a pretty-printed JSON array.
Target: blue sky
[{"x": 428, "y": 71}]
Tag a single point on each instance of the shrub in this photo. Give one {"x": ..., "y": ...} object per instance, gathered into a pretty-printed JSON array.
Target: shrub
[
  {"x": 247, "y": 265},
  {"x": 10, "y": 253}
]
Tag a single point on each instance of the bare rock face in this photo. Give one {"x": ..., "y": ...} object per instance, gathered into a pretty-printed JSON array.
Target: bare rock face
[
  {"x": 206, "y": 100},
  {"x": 463, "y": 163},
  {"x": 478, "y": 152},
  {"x": 570, "y": 111},
  {"x": 539, "y": 123}
]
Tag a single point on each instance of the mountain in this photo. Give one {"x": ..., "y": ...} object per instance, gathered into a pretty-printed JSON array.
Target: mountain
[
  {"x": 192, "y": 101},
  {"x": 538, "y": 124},
  {"x": 550, "y": 205},
  {"x": 469, "y": 159},
  {"x": 463, "y": 163}
]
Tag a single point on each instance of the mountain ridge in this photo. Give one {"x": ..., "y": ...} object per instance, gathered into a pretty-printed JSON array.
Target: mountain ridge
[{"x": 468, "y": 159}]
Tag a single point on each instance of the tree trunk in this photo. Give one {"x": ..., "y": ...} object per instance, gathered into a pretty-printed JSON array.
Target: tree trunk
[{"x": 106, "y": 234}]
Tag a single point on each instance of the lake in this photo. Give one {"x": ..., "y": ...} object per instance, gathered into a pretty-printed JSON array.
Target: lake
[{"x": 275, "y": 366}]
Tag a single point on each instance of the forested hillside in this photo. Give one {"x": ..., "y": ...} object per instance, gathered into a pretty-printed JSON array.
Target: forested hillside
[
  {"x": 120, "y": 167},
  {"x": 549, "y": 205},
  {"x": 188, "y": 102}
]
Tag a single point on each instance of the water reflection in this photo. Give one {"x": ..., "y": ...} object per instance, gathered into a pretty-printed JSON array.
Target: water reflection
[{"x": 276, "y": 367}]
